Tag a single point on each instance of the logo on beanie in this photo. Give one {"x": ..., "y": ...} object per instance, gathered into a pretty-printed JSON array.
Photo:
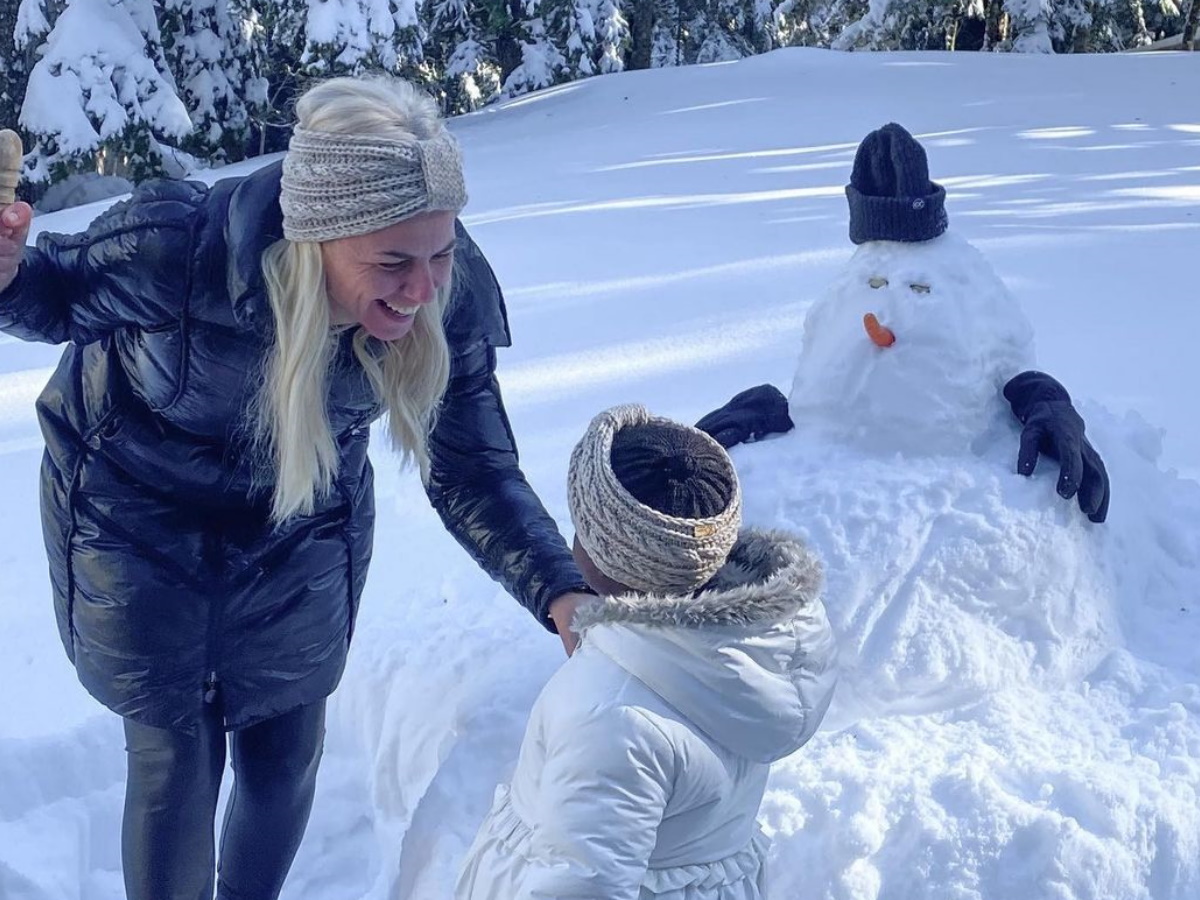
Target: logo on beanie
[
  {"x": 919, "y": 203},
  {"x": 704, "y": 529}
]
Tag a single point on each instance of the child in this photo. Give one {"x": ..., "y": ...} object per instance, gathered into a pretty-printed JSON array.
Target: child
[{"x": 707, "y": 657}]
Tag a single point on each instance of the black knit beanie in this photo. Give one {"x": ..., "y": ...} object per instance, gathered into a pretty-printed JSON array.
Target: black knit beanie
[
  {"x": 891, "y": 196},
  {"x": 673, "y": 470}
]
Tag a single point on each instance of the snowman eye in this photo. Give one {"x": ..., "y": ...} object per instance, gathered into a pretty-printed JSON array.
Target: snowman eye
[
  {"x": 878, "y": 282},
  {"x": 919, "y": 288}
]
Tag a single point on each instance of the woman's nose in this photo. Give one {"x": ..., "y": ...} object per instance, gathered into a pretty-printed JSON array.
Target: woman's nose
[{"x": 421, "y": 286}]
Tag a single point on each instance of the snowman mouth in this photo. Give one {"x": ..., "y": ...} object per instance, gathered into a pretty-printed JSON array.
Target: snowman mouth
[{"x": 880, "y": 335}]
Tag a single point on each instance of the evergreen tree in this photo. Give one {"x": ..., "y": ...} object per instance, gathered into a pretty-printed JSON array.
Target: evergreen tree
[
  {"x": 275, "y": 43},
  {"x": 589, "y": 35},
  {"x": 344, "y": 37},
  {"x": 542, "y": 63},
  {"x": 461, "y": 50},
  {"x": 99, "y": 98},
  {"x": 215, "y": 71}
]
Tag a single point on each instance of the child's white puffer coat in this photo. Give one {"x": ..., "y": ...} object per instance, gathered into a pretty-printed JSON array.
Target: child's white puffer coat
[{"x": 646, "y": 756}]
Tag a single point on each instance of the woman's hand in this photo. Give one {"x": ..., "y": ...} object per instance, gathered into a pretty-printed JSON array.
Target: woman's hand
[
  {"x": 562, "y": 611},
  {"x": 14, "y": 230}
]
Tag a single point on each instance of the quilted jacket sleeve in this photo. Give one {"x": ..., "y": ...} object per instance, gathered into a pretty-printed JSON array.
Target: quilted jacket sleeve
[
  {"x": 130, "y": 267},
  {"x": 475, "y": 481}
]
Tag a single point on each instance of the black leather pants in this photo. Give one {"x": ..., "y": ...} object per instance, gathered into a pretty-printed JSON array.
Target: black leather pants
[{"x": 171, "y": 803}]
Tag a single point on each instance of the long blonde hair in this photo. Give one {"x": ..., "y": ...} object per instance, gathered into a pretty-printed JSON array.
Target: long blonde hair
[{"x": 408, "y": 376}]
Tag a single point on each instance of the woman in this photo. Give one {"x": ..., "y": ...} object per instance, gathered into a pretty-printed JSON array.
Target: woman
[{"x": 206, "y": 492}]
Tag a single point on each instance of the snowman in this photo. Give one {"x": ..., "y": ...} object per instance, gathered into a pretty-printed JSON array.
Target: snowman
[
  {"x": 948, "y": 574},
  {"x": 918, "y": 347}
]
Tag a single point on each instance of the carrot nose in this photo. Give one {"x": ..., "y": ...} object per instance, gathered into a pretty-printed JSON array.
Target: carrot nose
[{"x": 883, "y": 337}]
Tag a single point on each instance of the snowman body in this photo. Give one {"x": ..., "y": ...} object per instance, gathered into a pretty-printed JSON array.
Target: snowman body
[{"x": 1004, "y": 663}]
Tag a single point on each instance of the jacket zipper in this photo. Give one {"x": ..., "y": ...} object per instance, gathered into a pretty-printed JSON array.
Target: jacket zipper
[{"x": 212, "y": 683}]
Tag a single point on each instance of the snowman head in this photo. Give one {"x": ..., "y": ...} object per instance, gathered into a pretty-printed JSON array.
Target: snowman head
[{"x": 909, "y": 347}]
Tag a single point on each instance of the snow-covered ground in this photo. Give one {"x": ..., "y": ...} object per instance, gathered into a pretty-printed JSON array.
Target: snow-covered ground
[{"x": 1018, "y": 713}]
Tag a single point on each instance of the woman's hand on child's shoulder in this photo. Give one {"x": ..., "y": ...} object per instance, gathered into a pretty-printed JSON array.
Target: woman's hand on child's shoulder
[{"x": 562, "y": 612}]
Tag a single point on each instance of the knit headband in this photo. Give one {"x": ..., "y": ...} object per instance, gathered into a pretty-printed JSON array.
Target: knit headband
[
  {"x": 630, "y": 542},
  {"x": 341, "y": 185}
]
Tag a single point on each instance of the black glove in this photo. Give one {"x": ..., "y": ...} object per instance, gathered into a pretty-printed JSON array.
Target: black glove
[
  {"x": 1053, "y": 427},
  {"x": 750, "y": 415}
]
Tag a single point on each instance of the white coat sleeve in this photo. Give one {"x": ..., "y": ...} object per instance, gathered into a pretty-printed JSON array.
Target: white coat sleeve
[
  {"x": 815, "y": 671},
  {"x": 604, "y": 788}
]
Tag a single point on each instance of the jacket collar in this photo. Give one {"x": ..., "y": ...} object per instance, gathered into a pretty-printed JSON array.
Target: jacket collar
[{"x": 253, "y": 222}]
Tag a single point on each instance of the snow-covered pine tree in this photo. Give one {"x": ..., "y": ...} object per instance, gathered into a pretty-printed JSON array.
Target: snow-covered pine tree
[
  {"x": 541, "y": 62},
  {"x": 612, "y": 37},
  {"x": 590, "y": 35},
  {"x": 406, "y": 55},
  {"x": 1031, "y": 25},
  {"x": 1069, "y": 18},
  {"x": 461, "y": 49},
  {"x": 344, "y": 37},
  {"x": 904, "y": 25},
  {"x": 349, "y": 37},
  {"x": 99, "y": 98},
  {"x": 671, "y": 32},
  {"x": 705, "y": 31},
  {"x": 275, "y": 42},
  {"x": 1163, "y": 18},
  {"x": 205, "y": 46},
  {"x": 24, "y": 25},
  {"x": 816, "y": 23}
]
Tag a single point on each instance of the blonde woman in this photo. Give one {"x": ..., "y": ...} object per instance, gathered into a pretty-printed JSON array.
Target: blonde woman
[{"x": 206, "y": 492}]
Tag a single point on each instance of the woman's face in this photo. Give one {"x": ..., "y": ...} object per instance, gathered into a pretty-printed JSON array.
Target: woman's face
[{"x": 380, "y": 280}]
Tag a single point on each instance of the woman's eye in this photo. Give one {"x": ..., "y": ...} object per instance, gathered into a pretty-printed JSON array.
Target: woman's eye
[
  {"x": 398, "y": 266},
  {"x": 919, "y": 288},
  {"x": 878, "y": 283}
]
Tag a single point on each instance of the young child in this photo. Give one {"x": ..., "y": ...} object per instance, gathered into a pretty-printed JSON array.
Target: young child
[{"x": 707, "y": 657}]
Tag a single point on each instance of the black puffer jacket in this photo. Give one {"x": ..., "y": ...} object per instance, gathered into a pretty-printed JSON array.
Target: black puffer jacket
[{"x": 171, "y": 587}]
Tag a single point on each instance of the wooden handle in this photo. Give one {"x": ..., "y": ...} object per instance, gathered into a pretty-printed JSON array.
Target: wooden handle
[{"x": 11, "y": 154}]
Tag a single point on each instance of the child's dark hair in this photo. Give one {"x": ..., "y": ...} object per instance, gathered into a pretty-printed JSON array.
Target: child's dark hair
[{"x": 672, "y": 470}]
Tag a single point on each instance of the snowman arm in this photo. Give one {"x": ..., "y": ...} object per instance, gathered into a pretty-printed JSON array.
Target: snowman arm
[
  {"x": 1052, "y": 426},
  {"x": 749, "y": 416}
]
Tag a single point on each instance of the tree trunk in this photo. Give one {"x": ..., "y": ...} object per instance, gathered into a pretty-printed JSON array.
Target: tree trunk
[
  {"x": 508, "y": 44},
  {"x": 642, "y": 19},
  {"x": 950, "y": 26},
  {"x": 994, "y": 36},
  {"x": 1190, "y": 27},
  {"x": 13, "y": 76}
]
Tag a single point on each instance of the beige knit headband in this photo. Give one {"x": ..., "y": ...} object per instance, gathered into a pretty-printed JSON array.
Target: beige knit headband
[
  {"x": 341, "y": 185},
  {"x": 630, "y": 542}
]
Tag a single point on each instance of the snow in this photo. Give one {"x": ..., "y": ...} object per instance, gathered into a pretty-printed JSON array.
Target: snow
[{"x": 1017, "y": 718}]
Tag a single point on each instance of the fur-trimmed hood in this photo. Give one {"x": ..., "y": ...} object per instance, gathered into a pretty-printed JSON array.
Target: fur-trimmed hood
[
  {"x": 750, "y": 659},
  {"x": 767, "y": 576}
]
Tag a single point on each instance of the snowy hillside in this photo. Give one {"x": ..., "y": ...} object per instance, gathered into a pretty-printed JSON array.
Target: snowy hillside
[{"x": 1019, "y": 717}]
